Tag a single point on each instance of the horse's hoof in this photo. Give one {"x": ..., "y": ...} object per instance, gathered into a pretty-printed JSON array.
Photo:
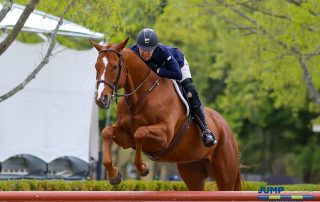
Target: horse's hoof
[
  {"x": 117, "y": 180},
  {"x": 145, "y": 172}
]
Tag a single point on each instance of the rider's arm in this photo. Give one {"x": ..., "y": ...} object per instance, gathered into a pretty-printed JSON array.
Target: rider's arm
[{"x": 170, "y": 67}]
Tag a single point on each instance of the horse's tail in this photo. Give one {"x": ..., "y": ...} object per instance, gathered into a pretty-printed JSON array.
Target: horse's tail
[{"x": 239, "y": 183}]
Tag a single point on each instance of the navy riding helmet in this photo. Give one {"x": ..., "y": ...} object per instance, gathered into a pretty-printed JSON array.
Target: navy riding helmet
[{"x": 147, "y": 39}]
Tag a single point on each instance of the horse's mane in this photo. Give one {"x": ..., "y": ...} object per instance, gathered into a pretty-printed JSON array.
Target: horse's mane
[
  {"x": 110, "y": 45},
  {"x": 137, "y": 56},
  {"x": 130, "y": 50}
]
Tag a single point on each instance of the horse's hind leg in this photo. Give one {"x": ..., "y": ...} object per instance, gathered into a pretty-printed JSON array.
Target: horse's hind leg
[
  {"x": 225, "y": 171},
  {"x": 193, "y": 174}
]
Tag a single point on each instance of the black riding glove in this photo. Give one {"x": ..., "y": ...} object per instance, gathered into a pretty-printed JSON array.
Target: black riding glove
[{"x": 153, "y": 66}]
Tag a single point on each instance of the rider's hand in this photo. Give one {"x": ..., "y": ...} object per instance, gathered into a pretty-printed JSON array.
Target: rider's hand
[{"x": 153, "y": 66}]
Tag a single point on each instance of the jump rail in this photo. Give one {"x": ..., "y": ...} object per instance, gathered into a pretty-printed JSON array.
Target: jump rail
[{"x": 147, "y": 196}]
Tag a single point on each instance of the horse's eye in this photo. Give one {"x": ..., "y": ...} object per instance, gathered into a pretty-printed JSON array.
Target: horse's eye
[{"x": 115, "y": 67}]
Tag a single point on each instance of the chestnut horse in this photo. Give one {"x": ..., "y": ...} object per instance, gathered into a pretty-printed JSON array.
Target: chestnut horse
[{"x": 149, "y": 116}]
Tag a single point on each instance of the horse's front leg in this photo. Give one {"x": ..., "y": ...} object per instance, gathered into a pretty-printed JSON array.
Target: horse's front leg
[
  {"x": 155, "y": 132},
  {"x": 121, "y": 138}
]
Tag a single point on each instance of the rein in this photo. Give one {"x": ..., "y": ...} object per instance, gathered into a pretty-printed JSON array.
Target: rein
[
  {"x": 114, "y": 86},
  {"x": 155, "y": 83}
]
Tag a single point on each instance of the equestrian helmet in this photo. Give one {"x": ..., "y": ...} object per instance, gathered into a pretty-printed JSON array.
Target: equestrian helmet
[{"x": 147, "y": 39}]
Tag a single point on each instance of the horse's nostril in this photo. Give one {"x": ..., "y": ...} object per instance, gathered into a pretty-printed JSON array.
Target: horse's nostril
[{"x": 105, "y": 99}]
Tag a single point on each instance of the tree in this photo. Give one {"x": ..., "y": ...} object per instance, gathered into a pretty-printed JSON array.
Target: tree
[
  {"x": 270, "y": 46},
  {"x": 5, "y": 9},
  {"x": 18, "y": 26},
  {"x": 44, "y": 61},
  {"x": 279, "y": 39},
  {"x": 116, "y": 19}
]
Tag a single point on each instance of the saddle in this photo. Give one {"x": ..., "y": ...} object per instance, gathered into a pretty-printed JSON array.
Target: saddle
[{"x": 182, "y": 95}]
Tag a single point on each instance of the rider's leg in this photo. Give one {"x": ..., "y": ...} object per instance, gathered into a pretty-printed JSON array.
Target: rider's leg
[{"x": 198, "y": 112}]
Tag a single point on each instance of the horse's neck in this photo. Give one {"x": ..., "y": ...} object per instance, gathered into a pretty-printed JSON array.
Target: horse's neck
[
  {"x": 129, "y": 88},
  {"x": 138, "y": 71}
]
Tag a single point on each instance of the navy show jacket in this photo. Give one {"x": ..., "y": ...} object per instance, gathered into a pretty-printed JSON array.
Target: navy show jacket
[{"x": 169, "y": 60}]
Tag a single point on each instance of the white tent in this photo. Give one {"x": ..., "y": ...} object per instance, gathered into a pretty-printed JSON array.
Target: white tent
[
  {"x": 55, "y": 114},
  {"x": 40, "y": 22}
]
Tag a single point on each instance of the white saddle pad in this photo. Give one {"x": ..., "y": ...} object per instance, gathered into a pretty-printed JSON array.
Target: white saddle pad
[{"x": 181, "y": 96}]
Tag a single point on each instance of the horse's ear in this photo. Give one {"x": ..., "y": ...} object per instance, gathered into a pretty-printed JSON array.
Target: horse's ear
[
  {"x": 96, "y": 45},
  {"x": 121, "y": 45}
]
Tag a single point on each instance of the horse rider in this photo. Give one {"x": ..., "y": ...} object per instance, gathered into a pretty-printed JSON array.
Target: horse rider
[{"x": 169, "y": 62}]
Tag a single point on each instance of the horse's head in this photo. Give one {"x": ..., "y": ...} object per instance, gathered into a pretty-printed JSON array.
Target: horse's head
[{"x": 111, "y": 72}]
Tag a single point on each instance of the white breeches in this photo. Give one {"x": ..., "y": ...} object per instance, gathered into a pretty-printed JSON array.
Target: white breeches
[{"x": 185, "y": 71}]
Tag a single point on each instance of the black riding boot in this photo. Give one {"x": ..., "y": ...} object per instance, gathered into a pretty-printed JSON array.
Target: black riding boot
[
  {"x": 198, "y": 113},
  {"x": 207, "y": 136}
]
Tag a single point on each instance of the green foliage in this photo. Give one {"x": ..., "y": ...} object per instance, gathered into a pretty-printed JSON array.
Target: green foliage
[
  {"x": 211, "y": 186},
  {"x": 261, "y": 57},
  {"x": 74, "y": 42},
  {"x": 305, "y": 158},
  {"x": 253, "y": 185},
  {"x": 116, "y": 19},
  {"x": 181, "y": 26},
  {"x": 30, "y": 38},
  {"x": 316, "y": 165},
  {"x": 23, "y": 186},
  {"x": 307, "y": 163},
  {"x": 7, "y": 186},
  {"x": 304, "y": 187},
  {"x": 180, "y": 186}
]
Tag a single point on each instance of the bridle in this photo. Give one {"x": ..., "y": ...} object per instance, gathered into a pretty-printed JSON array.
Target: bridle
[{"x": 114, "y": 86}]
